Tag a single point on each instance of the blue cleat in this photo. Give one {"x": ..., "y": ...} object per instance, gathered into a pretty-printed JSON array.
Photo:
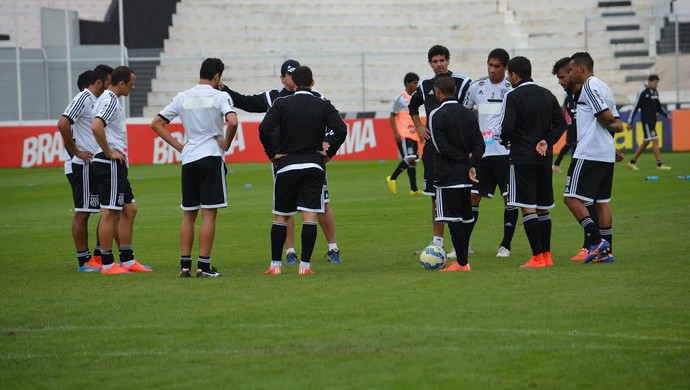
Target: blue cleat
[
  {"x": 291, "y": 258},
  {"x": 87, "y": 268},
  {"x": 601, "y": 249},
  {"x": 333, "y": 256},
  {"x": 607, "y": 258}
]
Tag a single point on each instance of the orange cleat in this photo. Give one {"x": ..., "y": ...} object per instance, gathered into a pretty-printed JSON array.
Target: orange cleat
[
  {"x": 580, "y": 256},
  {"x": 114, "y": 270},
  {"x": 455, "y": 266},
  {"x": 535, "y": 262},
  {"x": 547, "y": 259},
  {"x": 305, "y": 271},
  {"x": 95, "y": 262},
  {"x": 273, "y": 271},
  {"x": 138, "y": 267}
]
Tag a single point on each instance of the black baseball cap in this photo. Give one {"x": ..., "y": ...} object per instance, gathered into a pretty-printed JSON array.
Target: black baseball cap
[{"x": 288, "y": 67}]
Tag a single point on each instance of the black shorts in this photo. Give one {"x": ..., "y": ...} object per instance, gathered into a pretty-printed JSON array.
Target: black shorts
[
  {"x": 530, "y": 186},
  {"x": 408, "y": 149},
  {"x": 454, "y": 205},
  {"x": 203, "y": 184},
  {"x": 589, "y": 181},
  {"x": 299, "y": 189},
  {"x": 428, "y": 160},
  {"x": 326, "y": 194},
  {"x": 114, "y": 188},
  {"x": 85, "y": 188},
  {"x": 492, "y": 172},
  {"x": 649, "y": 129}
]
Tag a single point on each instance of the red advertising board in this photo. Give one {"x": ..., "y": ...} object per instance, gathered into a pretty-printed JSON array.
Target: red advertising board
[{"x": 41, "y": 145}]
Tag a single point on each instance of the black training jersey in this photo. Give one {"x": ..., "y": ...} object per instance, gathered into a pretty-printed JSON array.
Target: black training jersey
[
  {"x": 648, "y": 104},
  {"x": 425, "y": 93},
  {"x": 458, "y": 142},
  {"x": 530, "y": 114},
  {"x": 302, "y": 119}
]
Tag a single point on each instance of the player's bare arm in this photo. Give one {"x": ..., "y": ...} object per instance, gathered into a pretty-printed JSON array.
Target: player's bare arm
[
  {"x": 610, "y": 122},
  {"x": 98, "y": 128},
  {"x": 230, "y": 131},
  {"x": 158, "y": 125},
  {"x": 396, "y": 134},
  {"x": 65, "y": 128},
  {"x": 421, "y": 129}
]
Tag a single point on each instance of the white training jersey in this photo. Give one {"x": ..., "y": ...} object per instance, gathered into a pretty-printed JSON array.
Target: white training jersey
[
  {"x": 202, "y": 110},
  {"x": 80, "y": 114},
  {"x": 594, "y": 142},
  {"x": 488, "y": 98},
  {"x": 109, "y": 110}
]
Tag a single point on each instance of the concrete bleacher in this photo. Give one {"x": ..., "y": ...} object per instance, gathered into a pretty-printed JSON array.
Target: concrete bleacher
[{"x": 359, "y": 50}]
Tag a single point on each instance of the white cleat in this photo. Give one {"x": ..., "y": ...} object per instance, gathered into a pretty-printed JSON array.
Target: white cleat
[
  {"x": 503, "y": 252},
  {"x": 470, "y": 251},
  {"x": 452, "y": 255}
]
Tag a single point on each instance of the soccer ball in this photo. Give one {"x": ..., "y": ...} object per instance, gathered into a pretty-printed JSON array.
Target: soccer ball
[{"x": 433, "y": 257}]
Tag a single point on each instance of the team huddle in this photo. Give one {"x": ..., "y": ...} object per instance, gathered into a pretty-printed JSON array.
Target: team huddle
[{"x": 508, "y": 145}]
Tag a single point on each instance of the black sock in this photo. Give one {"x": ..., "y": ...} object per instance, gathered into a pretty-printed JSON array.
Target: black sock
[
  {"x": 659, "y": 163},
  {"x": 401, "y": 167},
  {"x": 204, "y": 263},
  {"x": 545, "y": 232},
  {"x": 633, "y": 161},
  {"x": 107, "y": 257},
  {"x": 186, "y": 261},
  {"x": 460, "y": 239},
  {"x": 126, "y": 253},
  {"x": 592, "y": 235},
  {"x": 531, "y": 224},
  {"x": 308, "y": 240},
  {"x": 412, "y": 175},
  {"x": 83, "y": 257},
  {"x": 607, "y": 234},
  {"x": 278, "y": 236},
  {"x": 97, "y": 250},
  {"x": 510, "y": 217},
  {"x": 593, "y": 212}
]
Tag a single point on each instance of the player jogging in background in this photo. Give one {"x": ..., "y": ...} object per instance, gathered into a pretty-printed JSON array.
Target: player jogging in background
[
  {"x": 439, "y": 59},
  {"x": 486, "y": 94},
  {"x": 75, "y": 128},
  {"x": 405, "y": 135},
  {"x": 649, "y": 105}
]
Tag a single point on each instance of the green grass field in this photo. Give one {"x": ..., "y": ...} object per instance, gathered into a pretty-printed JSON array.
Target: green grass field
[{"x": 377, "y": 321}]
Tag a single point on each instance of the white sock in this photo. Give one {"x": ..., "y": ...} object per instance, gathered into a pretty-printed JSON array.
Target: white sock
[
  {"x": 332, "y": 246},
  {"x": 276, "y": 263},
  {"x": 289, "y": 250},
  {"x": 304, "y": 265},
  {"x": 128, "y": 263},
  {"x": 108, "y": 266},
  {"x": 438, "y": 241}
]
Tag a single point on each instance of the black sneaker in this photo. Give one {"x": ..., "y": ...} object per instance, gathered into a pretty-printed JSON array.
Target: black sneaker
[
  {"x": 209, "y": 273},
  {"x": 185, "y": 273}
]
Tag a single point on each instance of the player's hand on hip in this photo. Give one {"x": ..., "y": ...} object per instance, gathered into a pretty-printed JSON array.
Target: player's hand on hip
[
  {"x": 324, "y": 155},
  {"x": 423, "y": 132},
  {"x": 542, "y": 147},
  {"x": 84, "y": 155},
  {"x": 619, "y": 156},
  {"x": 116, "y": 155},
  {"x": 277, "y": 157},
  {"x": 473, "y": 175}
]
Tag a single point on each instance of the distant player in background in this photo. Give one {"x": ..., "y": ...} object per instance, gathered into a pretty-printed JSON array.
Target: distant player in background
[
  {"x": 203, "y": 110},
  {"x": 405, "y": 135},
  {"x": 649, "y": 105},
  {"x": 590, "y": 175},
  {"x": 561, "y": 69},
  {"x": 532, "y": 123},
  {"x": 486, "y": 94},
  {"x": 75, "y": 128},
  {"x": 111, "y": 166},
  {"x": 261, "y": 102},
  {"x": 459, "y": 146},
  {"x": 299, "y": 159},
  {"x": 439, "y": 59}
]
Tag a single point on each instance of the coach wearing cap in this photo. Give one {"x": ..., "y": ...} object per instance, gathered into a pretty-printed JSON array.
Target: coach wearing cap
[{"x": 262, "y": 101}]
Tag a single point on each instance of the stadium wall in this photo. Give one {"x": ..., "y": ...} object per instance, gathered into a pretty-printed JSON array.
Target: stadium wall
[{"x": 39, "y": 144}]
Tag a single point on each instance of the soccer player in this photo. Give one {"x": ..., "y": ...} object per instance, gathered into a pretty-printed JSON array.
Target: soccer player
[
  {"x": 405, "y": 135},
  {"x": 561, "y": 69},
  {"x": 532, "y": 122},
  {"x": 590, "y": 175},
  {"x": 203, "y": 110},
  {"x": 649, "y": 105},
  {"x": 439, "y": 59},
  {"x": 110, "y": 165},
  {"x": 261, "y": 102},
  {"x": 299, "y": 161},
  {"x": 487, "y": 95},
  {"x": 459, "y": 147},
  {"x": 75, "y": 128}
]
